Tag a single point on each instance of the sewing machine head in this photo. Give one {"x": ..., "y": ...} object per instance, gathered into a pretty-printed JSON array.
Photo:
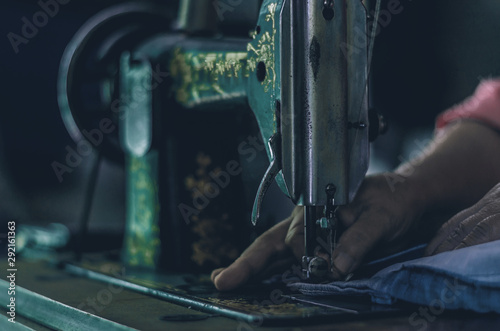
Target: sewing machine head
[
  {"x": 309, "y": 95},
  {"x": 304, "y": 75},
  {"x": 310, "y": 91}
]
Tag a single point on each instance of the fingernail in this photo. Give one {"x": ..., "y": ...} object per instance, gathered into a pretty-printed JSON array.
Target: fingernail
[
  {"x": 348, "y": 278},
  {"x": 343, "y": 263},
  {"x": 219, "y": 285},
  {"x": 216, "y": 273},
  {"x": 335, "y": 274}
]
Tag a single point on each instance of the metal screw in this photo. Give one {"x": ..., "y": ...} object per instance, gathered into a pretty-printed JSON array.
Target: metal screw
[
  {"x": 329, "y": 4},
  {"x": 328, "y": 12},
  {"x": 330, "y": 189},
  {"x": 357, "y": 125}
]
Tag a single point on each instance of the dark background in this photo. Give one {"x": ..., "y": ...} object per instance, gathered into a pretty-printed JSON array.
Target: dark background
[
  {"x": 32, "y": 133},
  {"x": 429, "y": 57}
]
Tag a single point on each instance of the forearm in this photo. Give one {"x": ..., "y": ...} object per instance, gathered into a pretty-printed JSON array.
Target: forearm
[{"x": 457, "y": 169}]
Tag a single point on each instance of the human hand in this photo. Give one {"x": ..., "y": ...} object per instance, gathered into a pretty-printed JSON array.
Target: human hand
[
  {"x": 377, "y": 215},
  {"x": 274, "y": 248},
  {"x": 475, "y": 225}
]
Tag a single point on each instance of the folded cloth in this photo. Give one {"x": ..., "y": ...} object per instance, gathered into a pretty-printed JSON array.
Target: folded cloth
[{"x": 467, "y": 278}]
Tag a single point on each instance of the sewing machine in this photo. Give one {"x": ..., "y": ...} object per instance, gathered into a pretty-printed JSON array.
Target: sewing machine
[
  {"x": 165, "y": 94},
  {"x": 304, "y": 74}
]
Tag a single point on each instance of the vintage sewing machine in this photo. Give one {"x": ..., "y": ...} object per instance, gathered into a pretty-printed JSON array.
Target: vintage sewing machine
[
  {"x": 173, "y": 92},
  {"x": 304, "y": 74}
]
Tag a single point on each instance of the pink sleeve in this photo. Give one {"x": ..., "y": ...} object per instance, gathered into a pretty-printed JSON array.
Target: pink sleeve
[{"x": 483, "y": 106}]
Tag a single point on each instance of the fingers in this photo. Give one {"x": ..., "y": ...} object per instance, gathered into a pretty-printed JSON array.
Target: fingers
[
  {"x": 276, "y": 267},
  {"x": 376, "y": 215},
  {"x": 354, "y": 244},
  {"x": 295, "y": 236},
  {"x": 215, "y": 273},
  {"x": 254, "y": 259},
  {"x": 347, "y": 214}
]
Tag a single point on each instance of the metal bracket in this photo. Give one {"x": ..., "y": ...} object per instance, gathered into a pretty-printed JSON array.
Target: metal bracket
[{"x": 271, "y": 173}]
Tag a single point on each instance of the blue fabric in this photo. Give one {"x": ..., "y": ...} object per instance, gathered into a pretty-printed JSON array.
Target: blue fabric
[{"x": 468, "y": 278}]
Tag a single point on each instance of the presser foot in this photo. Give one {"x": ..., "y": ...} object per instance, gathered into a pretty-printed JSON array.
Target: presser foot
[{"x": 315, "y": 268}]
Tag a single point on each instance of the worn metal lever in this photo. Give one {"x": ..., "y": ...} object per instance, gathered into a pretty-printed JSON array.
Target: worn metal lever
[{"x": 271, "y": 172}]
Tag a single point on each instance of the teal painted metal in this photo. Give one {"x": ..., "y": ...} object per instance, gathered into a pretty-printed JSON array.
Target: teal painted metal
[
  {"x": 231, "y": 76},
  {"x": 136, "y": 106},
  {"x": 142, "y": 244},
  {"x": 210, "y": 78},
  {"x": 204, "y": 77},
  {"x": 264, "y": 52},
  {"x": 205, "y": 74},
  {"x": 5, "y": 324},
  {"x": 141, "y": 247},
  {"x": 56, "y": 315}
]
